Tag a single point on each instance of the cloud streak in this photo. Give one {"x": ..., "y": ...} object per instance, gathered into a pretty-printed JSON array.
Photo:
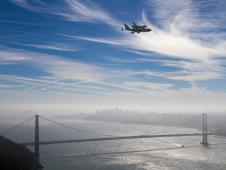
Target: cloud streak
[
  {"x": 149, "y": 85},
  {"x": 54, "y": 46},
  {"x": 63, "y": 73},
  {"x": 198, "y": 58},
  {"x": 60, "y": 68},
  {"x": 71, "y": 10},
  {"x": 97, "y": 91}
]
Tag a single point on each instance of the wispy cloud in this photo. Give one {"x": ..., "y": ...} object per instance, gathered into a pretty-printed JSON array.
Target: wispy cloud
[
  {"x": 198, "y": 58},
  {"x": 60, "y": 68},
  {"x": 121, "y": 60},
  {"x": 195, "y": 71},
  {"x": 62, "y": 73},
  {"x": 201, "y": 64},
  {"x": 7, "y": 58},
  {"x": 188, "y": 15},
  {"x": 71, "y": 10},
  {"x": 113, "y": 41},
  {"x": 89, "y": 12},
  {"x": 167, "y": 43},
  {"x": 134, "y": 94},
  {"x": 53, "y": 46},
  {"x": 47, "y": 84},
  {"x": 185, "y": 75},
  {"x": 149, "y": 85},
  {"x": 21, "y": 23}
]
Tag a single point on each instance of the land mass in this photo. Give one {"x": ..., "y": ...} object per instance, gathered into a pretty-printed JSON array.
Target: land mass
[{"x": 14, "y": 156}]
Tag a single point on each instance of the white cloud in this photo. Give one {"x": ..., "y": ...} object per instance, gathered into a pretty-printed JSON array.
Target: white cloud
[
  {"x": 195, "y": 76},
  {"x": 165, "y": 43},
  {"x": 189, "y": 15},
  {"x": 195, "y": 71},
  {"x": 47, "y": 84},
  {"x": 92, "y": 12},
  {"x": 61, "y": 73},
  {"x": 169, "y": 44},
  {"x": 99, "y": 40},
  {"x": 173, "y": 41},
  {"x": 7, "y": 58},
  {"x": 188, "y": 76},
  {"x": 149, "y": 85},
  {"x": 72, "y": 10},
  {"x": 60, "y": 68},
  {"x": 69, "y": 70},
  {"x": 201, "y": 61},
  {"x": 53, "y": 46},
  {"x": 166, "y": 11},
  {"x": 137, "y": 95}
]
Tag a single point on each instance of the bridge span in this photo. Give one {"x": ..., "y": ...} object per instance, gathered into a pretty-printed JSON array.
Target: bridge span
[
  {"x": 113, "y": 138},
  {"x": 36, "y": 143}
]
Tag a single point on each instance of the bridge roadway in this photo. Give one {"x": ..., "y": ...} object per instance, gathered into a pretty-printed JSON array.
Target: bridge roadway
[{"x": 113, "y": 138}]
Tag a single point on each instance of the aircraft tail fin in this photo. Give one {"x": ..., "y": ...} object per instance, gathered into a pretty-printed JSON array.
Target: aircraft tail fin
[{"x": 126, "y": 27}]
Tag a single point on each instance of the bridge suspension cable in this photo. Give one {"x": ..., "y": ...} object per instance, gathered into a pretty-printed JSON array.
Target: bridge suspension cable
[
  {"x": 75, "y": 129},
  {"x": 17, "y": 126}
]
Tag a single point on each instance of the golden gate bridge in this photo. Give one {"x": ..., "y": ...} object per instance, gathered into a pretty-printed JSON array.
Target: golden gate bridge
[{"x": 37, "y": 143}]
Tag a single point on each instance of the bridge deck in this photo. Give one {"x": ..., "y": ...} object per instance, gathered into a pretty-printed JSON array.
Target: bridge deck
[{"x": 113, "y": 138}]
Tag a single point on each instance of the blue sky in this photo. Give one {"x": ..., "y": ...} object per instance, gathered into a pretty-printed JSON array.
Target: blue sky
[{"x": 71, "y": 56}]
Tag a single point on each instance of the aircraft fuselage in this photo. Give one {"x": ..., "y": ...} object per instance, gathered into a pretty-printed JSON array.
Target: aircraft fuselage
[{"x": 136, "y": 28}]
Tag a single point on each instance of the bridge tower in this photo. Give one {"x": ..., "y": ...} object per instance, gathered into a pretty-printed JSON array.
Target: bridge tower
[
  {"x": 36, "y": 149},
  {"x": 204, "y": 130}
]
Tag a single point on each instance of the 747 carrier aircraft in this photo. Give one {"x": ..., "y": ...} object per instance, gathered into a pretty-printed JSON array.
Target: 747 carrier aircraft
[{"x": 136, "y": 28}]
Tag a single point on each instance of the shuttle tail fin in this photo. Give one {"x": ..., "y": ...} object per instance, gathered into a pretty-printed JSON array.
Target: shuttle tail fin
[{"x": 126, "y": 27}]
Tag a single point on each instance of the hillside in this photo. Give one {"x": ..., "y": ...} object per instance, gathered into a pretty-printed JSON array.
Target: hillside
[{"x": 16, "y": 157}]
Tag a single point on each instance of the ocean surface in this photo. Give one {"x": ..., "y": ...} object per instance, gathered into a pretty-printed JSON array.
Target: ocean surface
[{"x": 155, "y": 153}]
